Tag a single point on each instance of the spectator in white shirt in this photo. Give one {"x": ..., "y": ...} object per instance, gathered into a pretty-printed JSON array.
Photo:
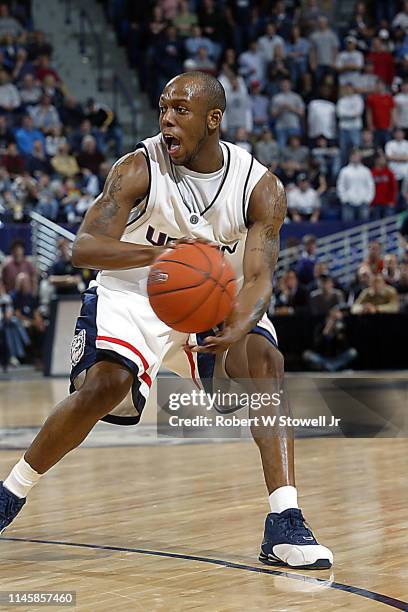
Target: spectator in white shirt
[
  {"x": 238, "y": 112},
  {"x": 401, "y": 19},
  {"x": 303, "y": 201},
  {"x": 355, "y": 189},
  {"x": 268, "y": 43},
  {"x": 349, "y": 62},
  {"x": 251, "y": 65},
  {"x": 287, "y": 108},
  {"x": 396, "y": 151},
  {"x": 350, "y": 109},
  {"x": 321, "y": 117},
  {"x": 401, "y": 107},
  {"x": 9, "y": 96}
]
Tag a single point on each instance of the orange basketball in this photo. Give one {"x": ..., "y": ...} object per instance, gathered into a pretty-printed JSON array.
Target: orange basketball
[{"x": 192, "y": 287}]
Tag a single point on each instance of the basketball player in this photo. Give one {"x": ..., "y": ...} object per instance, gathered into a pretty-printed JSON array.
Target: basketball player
[{"x": 182, "y": 184}]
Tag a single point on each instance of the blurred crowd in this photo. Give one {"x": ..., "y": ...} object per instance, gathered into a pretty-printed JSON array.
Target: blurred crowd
[
  {"x": 53, "y": 148},
  {"x": 324, "y": 107}
]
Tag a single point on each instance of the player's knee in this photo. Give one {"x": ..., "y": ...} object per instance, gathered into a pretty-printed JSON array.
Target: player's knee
[
  {"x": 268, "y": 363},
  {"x": 102, "y": 394}
]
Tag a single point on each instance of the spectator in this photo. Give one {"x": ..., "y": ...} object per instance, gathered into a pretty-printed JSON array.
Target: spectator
[
  {"x": 367, "y": 81},
  {"x": 368, "y": 150},
  {"x": 85, "y": 129},
  {"x": 62, "y": 275},
  {"x": 292, "y": 297},
  {"x": 324, "y": 47},
  {"x": 361, "y": 282},
  {"x": 71, "y": 114},
  {"x": 168, "y": 57},
  {"x": 12, "y": 161},
  {"x": 26, "y": 135},
  {"x": 379, "y": 297},
  {"x": 331, "y": 349},
  {"x": 349, "y": 63},
  {"x": 306, "y": 264},
  {"x": 44, "y": 69},
  {"x": 396, "y": 151},
  {"x": 210, "y": 20},
  {"x": 321, "y": 117},
  {"x": 6, "y": 135},
  {"x": 326, "y": 297},
  {"x": 184, "y": 19},
  {"x": 401, "y": 19},
  {"x": 38, "y": 46},
  {"x": 384, "y": 202},
  {"x": 9, "y": 96},
  {"x": 401, "y": 108},
  {"x": 328, "y": 158},
  {"x": 38, "y": 161},
  {"x": 242, "y": 139},
  {"x": 251, "y": 65},
  {"x": 295, "y": 152},
  {"x": 8, "y": 25},
  {"x": 204, "y": 63},
  {"x": 14, "y": 335},
  {"x": 196, "y": 41},
  {"x": 64, "y": 163},
  {"x": 303, "y": 201},
  {"x": 30, "y": 92},
  {"x": 298, "y": 49},
  {"x": 287, "y": 108},
  {"x": 45, "y": 115},
  {"x": 53, "y": 140},
  {"x": 382, "y": 60},
  {"x": 26, "y": 306},
  {"x": 90, "y": 157},
  {"x": 374, "y": 258},
  {"x": 379, "y": 114},
  {"x": 278, "y": 71},
  {"x": 268, "y": 43},
  {"x": 15, "y": 264},
  {"x": 320, "y": 268},
  {"x": 402, "y": 287},
  {"x": 391, "y": 272},
  {"x": 238, "y": 111},
  {"x": 104, "y": 122},
  {"x": 355, "y": 189},
  {"x": 350, "y": 109},
  {"x": 267, "y": 149},
  {"x": 259, "y": 108}
]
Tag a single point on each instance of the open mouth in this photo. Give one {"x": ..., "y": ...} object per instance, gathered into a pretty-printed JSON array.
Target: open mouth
[{"x": 172, "y": 143}]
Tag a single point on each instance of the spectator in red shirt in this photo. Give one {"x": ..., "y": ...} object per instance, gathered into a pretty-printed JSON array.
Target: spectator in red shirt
[
  {"x": 13, "y": 161},
  {"x": 380, "y": 106},
  {"x": 15, "y": 264},
  {"x": 382, "y": 60},
  {"x": 385, "y": 198},
  {"x": 44, "y": 69}
]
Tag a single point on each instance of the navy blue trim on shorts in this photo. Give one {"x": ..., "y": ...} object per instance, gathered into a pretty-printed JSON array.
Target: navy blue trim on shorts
[
  {"x": 261, "y": 331},
  {"x": 91, "y": 355}
]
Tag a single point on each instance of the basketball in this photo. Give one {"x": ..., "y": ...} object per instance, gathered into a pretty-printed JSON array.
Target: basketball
[{"x": 191, "y": 288}]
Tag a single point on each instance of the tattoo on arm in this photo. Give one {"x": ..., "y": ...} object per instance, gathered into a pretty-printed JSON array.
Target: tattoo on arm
[{"x": 107, "y": 207}]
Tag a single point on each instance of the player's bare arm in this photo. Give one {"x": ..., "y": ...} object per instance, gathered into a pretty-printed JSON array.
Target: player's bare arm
[
  {"x": 98, "y": 243},
  {"x": 266, "y": 213}
]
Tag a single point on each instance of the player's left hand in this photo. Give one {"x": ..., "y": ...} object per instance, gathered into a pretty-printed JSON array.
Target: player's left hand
[{"x": 217, "y": 344}]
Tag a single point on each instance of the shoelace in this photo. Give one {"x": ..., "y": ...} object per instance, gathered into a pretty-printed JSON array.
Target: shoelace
[{"x": 293, "y": 524}]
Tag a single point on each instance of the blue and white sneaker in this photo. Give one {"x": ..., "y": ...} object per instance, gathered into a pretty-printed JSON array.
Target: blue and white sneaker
[
  {"x": 289, "y": 542},
  {"x": 10, "y": 506}
]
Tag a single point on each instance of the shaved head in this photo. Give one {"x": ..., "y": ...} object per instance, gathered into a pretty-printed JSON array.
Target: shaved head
[{"x": 203, "y": 85}]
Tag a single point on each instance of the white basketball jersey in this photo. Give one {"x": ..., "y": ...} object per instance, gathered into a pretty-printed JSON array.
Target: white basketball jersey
[{"x": 181, "y": 203}]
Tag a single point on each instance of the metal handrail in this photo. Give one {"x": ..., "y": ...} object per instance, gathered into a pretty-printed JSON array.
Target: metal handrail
[
  {"x": 119, "y": 87},
  {"x": 85, "y": 22}
]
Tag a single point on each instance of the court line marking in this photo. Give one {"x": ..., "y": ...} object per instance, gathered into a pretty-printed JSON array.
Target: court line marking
[{"x": 398, "y": 604}]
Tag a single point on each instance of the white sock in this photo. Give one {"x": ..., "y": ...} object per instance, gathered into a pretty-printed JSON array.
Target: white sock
[
  {"x": 283, "y": 498},
  {"x": 21, "y": 479}
]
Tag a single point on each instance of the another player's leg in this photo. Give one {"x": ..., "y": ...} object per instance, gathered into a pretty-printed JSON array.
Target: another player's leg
[
  {"x": 287, "y": 539},
  {"x": 105, "y": 386}
]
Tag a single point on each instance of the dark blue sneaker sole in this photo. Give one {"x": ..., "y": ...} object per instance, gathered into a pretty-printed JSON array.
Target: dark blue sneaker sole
[{"x": 320, "y": 564}]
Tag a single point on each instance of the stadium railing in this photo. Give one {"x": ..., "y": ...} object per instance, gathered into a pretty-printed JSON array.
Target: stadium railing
[{"x": 344, "y": 251}]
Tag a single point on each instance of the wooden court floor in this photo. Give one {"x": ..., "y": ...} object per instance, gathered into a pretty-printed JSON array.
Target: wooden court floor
[{"x": 150, "y": 526}]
